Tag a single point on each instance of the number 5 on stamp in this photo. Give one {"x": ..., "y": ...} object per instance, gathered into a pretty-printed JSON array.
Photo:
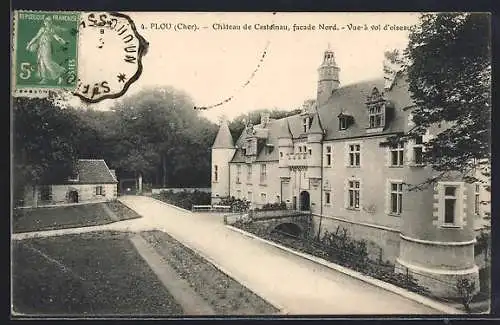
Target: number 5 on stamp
[{"x": 46, "y": 49}]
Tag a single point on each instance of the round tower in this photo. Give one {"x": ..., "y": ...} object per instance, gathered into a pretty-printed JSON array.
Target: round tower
[
  {"x": 328, "y": 77},
  {"x": 437, "y": 237},
  {"x": 314, "y": 140},
  {"x": 285, "y": 147},
  {"x": 223, "y": 151}
]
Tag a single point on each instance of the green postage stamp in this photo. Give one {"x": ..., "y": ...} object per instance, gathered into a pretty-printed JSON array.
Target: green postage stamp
[{"x": 46, "y": 49}]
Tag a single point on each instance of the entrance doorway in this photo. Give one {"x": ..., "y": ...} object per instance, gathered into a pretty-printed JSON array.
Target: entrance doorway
[
  {"x": 73, "y": 197},
  {"x": 305, "y": 201},
  {"x": 294, "y": 205}
]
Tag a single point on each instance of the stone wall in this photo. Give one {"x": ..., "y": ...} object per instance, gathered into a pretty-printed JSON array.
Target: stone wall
[{"x": 381, "y": 243}]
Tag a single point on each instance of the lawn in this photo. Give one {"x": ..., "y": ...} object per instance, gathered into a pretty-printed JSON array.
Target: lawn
[
  {"x": 86, "y": 274},
  {"x": 225, "y": 295},
  {"x": 49, "y": 218}
]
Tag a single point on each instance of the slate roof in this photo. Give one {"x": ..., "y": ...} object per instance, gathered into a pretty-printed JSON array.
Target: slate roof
[
  {"x": 94, "y": 171},
  {"x": 90, "y": 171},
  {"x": 351, "y": 100},
  {"x": 223, "y": 139}
]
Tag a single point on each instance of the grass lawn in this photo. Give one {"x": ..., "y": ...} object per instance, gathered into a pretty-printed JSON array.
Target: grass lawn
[
  {"x": 24, "y": 220},
  {"x": 225, "y": 295},
  {"x": 86, "y": 274}
]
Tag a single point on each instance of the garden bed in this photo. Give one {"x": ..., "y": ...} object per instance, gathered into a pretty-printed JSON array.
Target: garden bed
[
  {"x": 340, "y": 249},
  {"x": 86, "y": 275},
  {"x": 225, "y": 295},
  {"x": 184, "y": 199},
  {"x": 50, "y": 218}
]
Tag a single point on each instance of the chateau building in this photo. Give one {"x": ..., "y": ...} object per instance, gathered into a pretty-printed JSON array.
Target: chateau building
[{"x": 329, "y": 160}]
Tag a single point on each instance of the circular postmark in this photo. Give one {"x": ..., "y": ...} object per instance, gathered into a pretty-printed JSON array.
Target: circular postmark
[{"x": 111, "y": 55}]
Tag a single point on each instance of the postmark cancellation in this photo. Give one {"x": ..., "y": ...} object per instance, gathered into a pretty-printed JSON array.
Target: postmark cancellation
[{"x": 90, "y": 55}]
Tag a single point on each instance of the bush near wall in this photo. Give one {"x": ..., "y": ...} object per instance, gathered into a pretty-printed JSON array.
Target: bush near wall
[
  {"x": 272, "y": 207},
  {"x": 340, "y": 248},
  {"x": 184, "y": 199},
  {"x": 237, "y": 205}
]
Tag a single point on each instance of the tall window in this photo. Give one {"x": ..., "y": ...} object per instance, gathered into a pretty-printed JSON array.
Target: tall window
[
  {"x": 354, "y": 194},
  {"x": 249, "y": 173},
  {"x": 250, "y": 196},
  {"x": 263, "y": 198},
  {"x": 263, "y": 173},
  {"x": 98, "y": 190},
  {"x": 238, "y": 194},
  {"x": 216, "y": 173},
  {"x": 376, "y": 116},
  {"x": 397, "y": 155},
  {"x": 328, "y": 155},
  {"x": 396, "y": 198},
  {"x": 73, "y": 177},
  {"x": 46, "y": 193},
  {"x": 418, "y": 149},
  {"x": 477, "y": 201},
  {"x": 328, "y": 198},
  {"x": 238, "y": 174},
  {"x": 342, "y": 123},
  {"x": 450, "y": 204},
  {"x": 305, "y": 124},
  {"x": 354, "y": 155}
]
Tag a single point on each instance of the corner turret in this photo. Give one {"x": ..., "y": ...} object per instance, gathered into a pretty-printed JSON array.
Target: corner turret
[{"x": 223, "y": 150}]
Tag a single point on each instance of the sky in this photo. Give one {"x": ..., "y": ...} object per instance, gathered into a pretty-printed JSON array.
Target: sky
[{"x": 212, "y": 65}]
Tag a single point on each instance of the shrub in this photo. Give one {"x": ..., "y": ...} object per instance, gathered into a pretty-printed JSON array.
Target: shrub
[
  {"x": 237, "y": 205},
  {"x": 465, "y": 289},
  {"x": 184, "y": 199},
  {"x": 338, "y": 247},
  {"x": 273, "y": 206},
  {"x": 482, "y": 243}
]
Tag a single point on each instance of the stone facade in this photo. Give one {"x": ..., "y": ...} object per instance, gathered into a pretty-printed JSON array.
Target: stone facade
[
  {"x": 60, "y": 194},
  {"x": 332, "y": 160},
  {"x": 91, "y": 182}
]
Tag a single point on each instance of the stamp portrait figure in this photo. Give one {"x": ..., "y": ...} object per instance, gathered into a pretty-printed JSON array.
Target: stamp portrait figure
[{"x": 41, "y": 44}]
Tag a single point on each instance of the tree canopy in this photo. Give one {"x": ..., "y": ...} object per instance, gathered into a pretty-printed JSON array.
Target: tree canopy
[
  {"x": 448, "y": 66},
  {"x": 44, "y": 141},
  {"x": 238, "y": 124}
]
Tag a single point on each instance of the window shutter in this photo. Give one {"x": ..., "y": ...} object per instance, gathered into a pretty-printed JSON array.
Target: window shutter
[
  {"x": 360, "y": 158},
  {"x": 103, "y": 190},
  {"x": 331, "y": 155},
  {"x": 463, "y": 191},
  {"x": 360, "y": 194},
  {"x": 346, "y": 193},
  {"x": 409, "y": 151},
  {"x": 346, "y": 154},
  {"x": 436, "y": 206},
  {"x": 387, "y": 196},
  {"x": 387, "y": 156}
]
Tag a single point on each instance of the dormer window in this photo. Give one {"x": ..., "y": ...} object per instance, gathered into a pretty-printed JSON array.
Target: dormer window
[
  {"x": 344, "y": 120},
  {"x": 73, "y": 177},
  {"x": 377, "y": 111},
  {"x": 342, "y": 123},
  {"x": 305, "y": 124},
  {"x": 376, "y": 116}
]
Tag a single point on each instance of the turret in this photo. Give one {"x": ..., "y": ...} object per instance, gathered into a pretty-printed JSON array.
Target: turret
[
  {"x": 285, "y": 146},
  {"x": 328, "y": 77},
  {"x": 223, "y": 151},
  {"x": 314, "y": 140}
]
